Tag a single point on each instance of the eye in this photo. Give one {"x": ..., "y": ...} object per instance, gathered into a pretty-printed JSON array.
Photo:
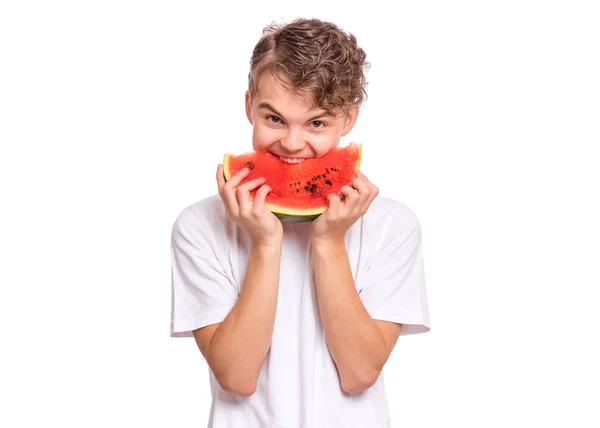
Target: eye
[
  {"x": 317, "y": 124},
  {"x": 274, "y": 119}
]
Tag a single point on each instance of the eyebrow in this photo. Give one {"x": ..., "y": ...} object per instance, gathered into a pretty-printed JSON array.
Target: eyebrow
[{"x": 270, "y": 107}]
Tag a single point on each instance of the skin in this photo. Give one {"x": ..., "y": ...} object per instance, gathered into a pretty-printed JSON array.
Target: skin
[{"x": 285, "y": 124}]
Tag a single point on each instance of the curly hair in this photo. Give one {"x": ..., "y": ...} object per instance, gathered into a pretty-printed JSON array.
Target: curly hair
[{"x": 313, "y": 58}]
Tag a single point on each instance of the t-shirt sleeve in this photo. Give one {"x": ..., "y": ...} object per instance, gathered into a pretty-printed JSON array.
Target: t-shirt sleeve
[
  {"x": 394, "y": 283},
  {"x": 202, "y": 291}
]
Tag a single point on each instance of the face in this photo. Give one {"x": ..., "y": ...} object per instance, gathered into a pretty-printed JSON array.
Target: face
[{"x": 285, "y": 125}]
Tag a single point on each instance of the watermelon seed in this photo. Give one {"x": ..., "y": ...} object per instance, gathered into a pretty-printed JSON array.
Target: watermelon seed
[
  {"x": 297, "y": 190},
  {"x": 250, "y": 165},
  {"x": 328, "y": 182},
  {"x": 306, "y": 188},
  {"x": 333, "y": 169},
  {"x": 327, "y": 169}
]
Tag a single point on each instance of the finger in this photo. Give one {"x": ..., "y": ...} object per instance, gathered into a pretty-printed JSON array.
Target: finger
[
  {"x": 366, "y": 202},
  {"x": 374, "y": 189},
  {"x": 237, "y": 178},
  {"x": 250, "y": 185},
  {"x": 227, "y": 190},
  {"x": 373, "y": 192},
  {"x": 364, "y": 189},
  {"x": 351, "y": 197},
  {"x": 373, "y": 195},
  {"x": 258, "y": 205},
  {"x": 243, "y": 194},
  {"x": 228, "y": 202},
  {"x": 362, "y": 175},
  {"x": 220, "y": 178},
  {"x": 333, "y": 205}
]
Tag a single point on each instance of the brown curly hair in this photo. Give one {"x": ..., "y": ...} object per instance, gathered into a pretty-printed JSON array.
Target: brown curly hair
[{"x": 313, "y": 58}]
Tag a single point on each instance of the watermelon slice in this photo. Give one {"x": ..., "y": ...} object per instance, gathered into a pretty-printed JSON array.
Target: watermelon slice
[{"x": 298, "y": 191}]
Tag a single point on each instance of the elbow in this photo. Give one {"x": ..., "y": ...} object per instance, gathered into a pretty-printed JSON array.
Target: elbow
[
  {"x": 360, "y": 382},
  {"x": 242, "y": 390},
  {"x": 231, "y": 382},
  {"x": 238, "y": 387}
]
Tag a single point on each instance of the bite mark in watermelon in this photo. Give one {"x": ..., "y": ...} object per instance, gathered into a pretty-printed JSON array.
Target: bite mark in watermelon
[{"x": 298, "y": 191}]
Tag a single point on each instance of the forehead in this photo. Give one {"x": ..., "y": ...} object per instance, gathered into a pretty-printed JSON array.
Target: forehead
[
  {"x": 275, "y": 88},
  {"x": 277, "y": 92}
]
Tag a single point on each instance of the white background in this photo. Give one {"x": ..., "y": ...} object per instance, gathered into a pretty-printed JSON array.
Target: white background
[{"x": 483, "y": 117}]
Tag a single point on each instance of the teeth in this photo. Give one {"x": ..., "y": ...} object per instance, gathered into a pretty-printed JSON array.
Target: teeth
[{"x": 291, "y": 160}]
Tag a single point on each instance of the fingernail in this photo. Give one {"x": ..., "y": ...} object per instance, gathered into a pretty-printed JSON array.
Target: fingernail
[{"x": 245, "y": 170}]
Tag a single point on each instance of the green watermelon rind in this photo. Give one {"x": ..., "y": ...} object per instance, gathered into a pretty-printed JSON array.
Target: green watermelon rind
[
  {"x": 287, "y": 218},
  {"x": 287, "y": 214}
]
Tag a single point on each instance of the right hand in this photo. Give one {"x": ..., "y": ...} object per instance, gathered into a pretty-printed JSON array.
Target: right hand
[{"x": 251, "y": 215}]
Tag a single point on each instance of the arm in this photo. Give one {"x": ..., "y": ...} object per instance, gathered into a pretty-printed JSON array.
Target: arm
[
  {"x": 236, "y": 348},
  {"x": 359, "y": 345}
]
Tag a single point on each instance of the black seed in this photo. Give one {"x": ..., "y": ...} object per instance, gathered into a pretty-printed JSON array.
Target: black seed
[
  {"x": 306, "y": 188},
  {"x": 327, "y": 169},
  {"x": 333, "y": 169},
  {"x": 319, "y": 177},
  {"x": 250, "y": 165},
  {"x": 308, "y": 182},
  {"x": 324, "y": 176},
  {"x": 297, "y": 190},
  {"x": 328, "y": 182}
]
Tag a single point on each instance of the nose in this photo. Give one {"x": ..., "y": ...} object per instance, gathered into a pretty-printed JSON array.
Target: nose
[{"x": 293, "y": 140}]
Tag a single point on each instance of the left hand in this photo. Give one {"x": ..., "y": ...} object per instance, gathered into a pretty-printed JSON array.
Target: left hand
[{"x": 340, "y": 215}]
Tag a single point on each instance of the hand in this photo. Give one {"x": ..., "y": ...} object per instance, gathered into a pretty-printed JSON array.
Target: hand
[
  {"x": 341, "y": 214},
  {"x": 251, "y": 215}
]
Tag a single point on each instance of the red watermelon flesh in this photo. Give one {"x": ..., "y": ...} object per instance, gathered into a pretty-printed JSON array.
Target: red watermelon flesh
[{"x": 298, "y": 191}]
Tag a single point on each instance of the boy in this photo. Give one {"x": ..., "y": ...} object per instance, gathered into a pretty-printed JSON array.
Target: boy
[{"x": 296, "y": 320}]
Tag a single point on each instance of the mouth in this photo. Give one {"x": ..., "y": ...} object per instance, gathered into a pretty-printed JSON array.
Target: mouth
[{"x": 291, "y": 160}]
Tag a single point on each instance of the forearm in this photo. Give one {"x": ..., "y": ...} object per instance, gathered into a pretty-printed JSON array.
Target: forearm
[
  {"x": 355, "y": 342},
  {"x": 241, "y": 343}
]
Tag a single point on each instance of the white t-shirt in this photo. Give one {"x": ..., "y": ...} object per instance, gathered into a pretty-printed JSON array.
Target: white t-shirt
[{"x": 298, "y": 384}]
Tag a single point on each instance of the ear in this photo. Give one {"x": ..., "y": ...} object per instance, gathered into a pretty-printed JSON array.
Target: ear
[
  {"x": 350, "y": 121},
  {"x": 248, "y": 111}
]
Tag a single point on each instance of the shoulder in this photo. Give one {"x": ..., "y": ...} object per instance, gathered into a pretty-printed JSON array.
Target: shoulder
[
  {"x": 210, "y": 207},
  {"x": 388, "y": 226},
  {"x": 206, "y": 216},
  {"x": 386, "y": 212}
]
